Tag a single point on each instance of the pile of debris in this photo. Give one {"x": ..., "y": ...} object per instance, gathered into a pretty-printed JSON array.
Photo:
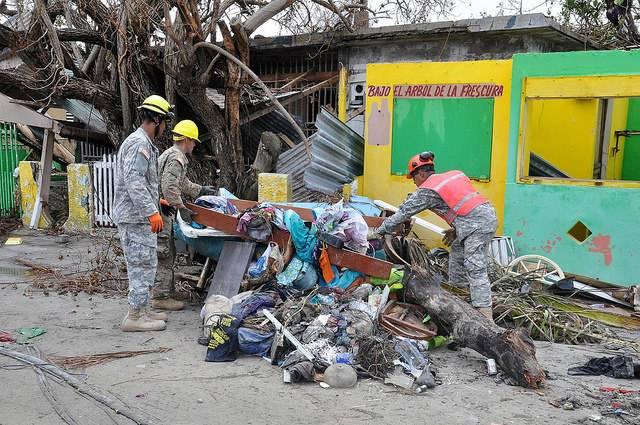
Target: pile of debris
[{"x": 321, "y": 301}]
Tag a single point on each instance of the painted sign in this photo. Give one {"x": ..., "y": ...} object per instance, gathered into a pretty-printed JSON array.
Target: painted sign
[
  {"x": 378, "y": 91},
  {"x": 448, "y": 90}
]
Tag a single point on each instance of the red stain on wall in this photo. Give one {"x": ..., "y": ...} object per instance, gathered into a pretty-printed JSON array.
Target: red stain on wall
[
  {"x": 519, "y": 234},
  {"x": 601, "y": 244}
]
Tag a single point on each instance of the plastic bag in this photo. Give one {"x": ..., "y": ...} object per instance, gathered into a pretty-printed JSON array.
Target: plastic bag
[
  {"x": 223, "y": 340},
  {"x": 259, "y": 267},
  {"x": 254, "y": 342}
]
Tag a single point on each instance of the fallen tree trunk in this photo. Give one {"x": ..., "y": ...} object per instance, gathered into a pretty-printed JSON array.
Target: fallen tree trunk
[{"x": 512, "y": 349}]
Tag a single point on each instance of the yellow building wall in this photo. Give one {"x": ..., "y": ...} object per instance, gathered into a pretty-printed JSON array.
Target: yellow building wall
[
  {"x": 618, "y": 123},
  {"x": 563, "y": 132},
  {"x": 28, "y": 172},
  {"x": 377, "y": 182}
]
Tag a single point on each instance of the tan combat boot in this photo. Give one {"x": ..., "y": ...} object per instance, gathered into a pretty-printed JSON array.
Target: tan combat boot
[
  {"x": 486, "y": 312},
  {"x": 155, "y": 315},
  {"x": 136, "y": 321},
  {"x": 166, "y": 303}
]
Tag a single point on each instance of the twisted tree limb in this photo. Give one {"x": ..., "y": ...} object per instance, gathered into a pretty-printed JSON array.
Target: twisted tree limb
[
  {"x": 512, "y": 349},
  {"x": 78, "y": 385}
]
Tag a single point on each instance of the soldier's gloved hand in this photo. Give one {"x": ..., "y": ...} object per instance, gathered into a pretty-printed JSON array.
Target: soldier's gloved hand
[
  {"x": 208, "y": 190},
  {"x": 373, "y": 234},
  {"x": 156, "y": 223},
  {"x": 449, "y": 236},
  {"x": 167, "y": 210},
  {"x": 186, "y": 215}
]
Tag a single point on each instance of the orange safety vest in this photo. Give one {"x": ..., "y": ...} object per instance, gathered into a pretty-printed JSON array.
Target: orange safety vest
[{"x": 456, "y": 190}]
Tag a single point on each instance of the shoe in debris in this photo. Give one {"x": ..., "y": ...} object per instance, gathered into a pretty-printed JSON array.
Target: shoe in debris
[
  {"x": 169, "y": 304},
  {"x": 137, "y": 321}
]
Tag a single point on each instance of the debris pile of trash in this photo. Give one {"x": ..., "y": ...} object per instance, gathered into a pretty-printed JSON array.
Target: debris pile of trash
[
  {"x": 313, "y": 296},
  {"x": 314, "y": 319}
]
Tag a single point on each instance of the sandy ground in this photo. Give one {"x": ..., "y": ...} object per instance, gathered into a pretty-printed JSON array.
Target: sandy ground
[{"x": 178, "y": 387}]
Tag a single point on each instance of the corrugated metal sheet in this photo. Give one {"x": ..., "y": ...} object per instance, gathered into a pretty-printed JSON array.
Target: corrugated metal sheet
[
  {"x": 294, "y": 162},
  {"x": 84, "y": 113},
  {"x": 337, "y": 155}
]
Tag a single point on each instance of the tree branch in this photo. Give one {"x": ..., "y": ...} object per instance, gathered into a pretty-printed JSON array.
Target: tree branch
[
  {"x": 257, "y": 79},
  {"x": 264, "y": 14},
  {"x": 328, "y": 4},
  {"x": 27, "y": 87},
  {"x": 127, "y": 119}
]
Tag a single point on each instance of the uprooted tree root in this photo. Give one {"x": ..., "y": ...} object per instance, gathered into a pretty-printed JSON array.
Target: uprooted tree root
[{"x": 512, "y": 349}]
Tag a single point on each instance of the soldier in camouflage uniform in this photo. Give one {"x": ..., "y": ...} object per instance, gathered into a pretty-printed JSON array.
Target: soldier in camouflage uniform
[
  {"x": 136, "y": 212},
  {"x": 172, "y": 167},
  {"x": 471, "y": 216}
]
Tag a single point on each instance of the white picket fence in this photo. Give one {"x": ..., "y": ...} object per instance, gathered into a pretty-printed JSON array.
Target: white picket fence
[{"x": 104, "y": 179}]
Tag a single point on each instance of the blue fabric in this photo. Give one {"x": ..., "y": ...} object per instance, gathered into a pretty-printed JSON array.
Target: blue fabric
[
  {"x": 299, "y": 274},
  {"x": 304, "y": 239},
  {"x": 253, "y": 342},
  {"x": 347, "y": 278}
]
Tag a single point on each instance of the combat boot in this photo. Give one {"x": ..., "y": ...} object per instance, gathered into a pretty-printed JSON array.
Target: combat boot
[
  {"x": 155, "y": 315},
  {"x": 486, "y": 312},
  {"x": 166, "y": 303},
  {"x": 136, "y": 321}
]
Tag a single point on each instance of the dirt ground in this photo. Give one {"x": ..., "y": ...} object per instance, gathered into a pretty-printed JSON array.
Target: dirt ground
[{"x": 178, "y": 387}]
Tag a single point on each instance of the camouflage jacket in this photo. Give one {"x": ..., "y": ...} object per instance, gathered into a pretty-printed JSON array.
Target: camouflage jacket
[
  {"x": 172, "y": 166},
  {"x": 483, "y": 217},
  {"x": 136, "y": 188}
]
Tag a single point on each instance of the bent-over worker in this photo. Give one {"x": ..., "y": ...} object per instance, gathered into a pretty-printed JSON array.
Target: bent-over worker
[
  {"x": 136, "y": 212},
  {"x": 471, "y": 217},
  {"x": 172, "y": 166}
]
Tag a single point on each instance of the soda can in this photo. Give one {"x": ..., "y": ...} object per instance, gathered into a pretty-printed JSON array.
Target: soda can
[{"x": 492, "y": 369}]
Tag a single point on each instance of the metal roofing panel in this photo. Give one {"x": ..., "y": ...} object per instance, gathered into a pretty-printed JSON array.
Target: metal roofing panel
[
  {"x": 84, "y": 113},
  {"x": 337, "y": 155}
]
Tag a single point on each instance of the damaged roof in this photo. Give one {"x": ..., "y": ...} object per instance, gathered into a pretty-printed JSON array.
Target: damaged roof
[{"x": 535, "y": 22}]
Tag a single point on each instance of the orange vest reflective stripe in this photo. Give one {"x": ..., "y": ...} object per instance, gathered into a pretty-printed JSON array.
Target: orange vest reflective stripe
[{"x": 456, "y": 190}]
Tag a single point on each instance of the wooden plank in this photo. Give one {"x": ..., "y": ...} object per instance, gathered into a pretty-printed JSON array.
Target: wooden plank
[
  {"x": 310, "y": 77},
  {"x": 294, "y": 81},
  {"x": 305, "y": 213},
  {"x": 343, "y": 258},
  {"x": 232, "y": 265},
  {"x": 44, "y": 178},
  {"x": 352, "y": 260}
]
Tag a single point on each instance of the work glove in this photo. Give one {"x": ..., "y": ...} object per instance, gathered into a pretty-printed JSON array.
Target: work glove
[
  {"x": 167, "y": 210},
  {"x": 449, "y": 236},
  {"x": 156, "y": 223},
  {"x": 208, "y": 190},
  {"x": 186, "y": 215},
  {"x": 373, "y": 234}
]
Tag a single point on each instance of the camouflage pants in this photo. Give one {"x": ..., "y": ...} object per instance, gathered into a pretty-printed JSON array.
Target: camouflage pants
[
  {"x": 165, "y": 280},
  {"x": 139, "y": 246},
  {"x": 468, "y": 261}
]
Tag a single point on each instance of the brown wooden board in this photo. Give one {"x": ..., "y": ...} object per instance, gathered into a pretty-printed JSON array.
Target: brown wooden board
[{"x": 340, "y": 257}]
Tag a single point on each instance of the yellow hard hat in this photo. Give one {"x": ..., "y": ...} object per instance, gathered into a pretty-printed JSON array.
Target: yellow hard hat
[
  {"x": 157, "y": 104},
  {"x": 185, "y": 128}
]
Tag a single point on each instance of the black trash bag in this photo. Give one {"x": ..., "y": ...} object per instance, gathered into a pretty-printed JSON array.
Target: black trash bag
[
  {"x": 223, "y": 340},
  {"x": 615, "y": 367}
]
